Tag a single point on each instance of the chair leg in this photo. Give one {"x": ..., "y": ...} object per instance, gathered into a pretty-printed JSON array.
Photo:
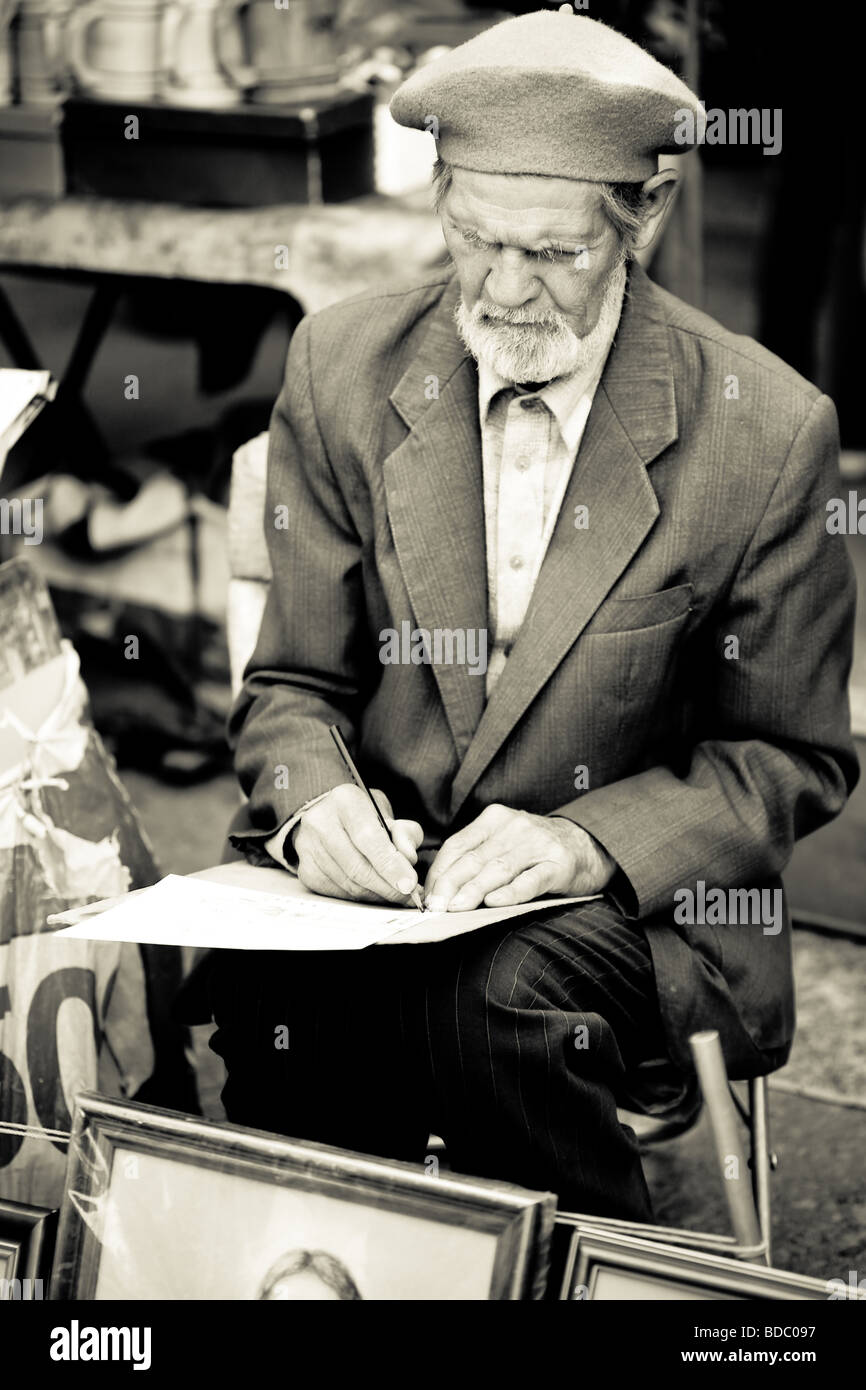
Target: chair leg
[
  {"x": 762, "y": 1158},
  {"x": 731, "y": 1156}
]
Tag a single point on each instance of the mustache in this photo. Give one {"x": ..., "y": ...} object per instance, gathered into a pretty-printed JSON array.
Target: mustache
[{"x": 518, "y": 317}]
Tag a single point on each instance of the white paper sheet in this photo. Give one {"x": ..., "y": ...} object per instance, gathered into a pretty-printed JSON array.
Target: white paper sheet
[
  {"x": 22, "y": 395},
  {"x": 244, "y": 908}
]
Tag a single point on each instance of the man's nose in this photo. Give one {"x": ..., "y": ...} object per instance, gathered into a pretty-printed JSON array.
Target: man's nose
[{"x": 511, "y": 281}]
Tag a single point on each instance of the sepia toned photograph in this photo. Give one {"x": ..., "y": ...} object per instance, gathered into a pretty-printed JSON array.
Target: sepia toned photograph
[{"x": 433, "y": 665}]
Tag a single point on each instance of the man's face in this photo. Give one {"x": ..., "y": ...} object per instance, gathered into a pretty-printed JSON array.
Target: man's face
[{"x": 540, "y": 267}]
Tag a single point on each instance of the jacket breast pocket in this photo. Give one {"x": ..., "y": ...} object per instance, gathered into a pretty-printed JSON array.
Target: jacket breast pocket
[
  {"x": 630, "y": 663},
  {"x": 642, "y": 611}
]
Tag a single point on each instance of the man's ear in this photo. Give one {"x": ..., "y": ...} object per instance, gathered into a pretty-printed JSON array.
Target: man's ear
[{"x": 658, "y": 193}]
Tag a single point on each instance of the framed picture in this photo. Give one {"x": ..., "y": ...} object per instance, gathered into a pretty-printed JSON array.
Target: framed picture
[
  {"x": 160, "y": 1205},
  {"x": 567, "y": 1223},
  {"x": 26, "y": 1247},
  {"x": 606, "y": 1265}
]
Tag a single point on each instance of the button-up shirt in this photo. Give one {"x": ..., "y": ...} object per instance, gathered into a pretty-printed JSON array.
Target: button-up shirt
[{"x": 529, "y": 443}]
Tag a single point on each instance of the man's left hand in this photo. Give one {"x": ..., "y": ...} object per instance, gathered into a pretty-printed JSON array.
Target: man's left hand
[{"x": 505, "y": 857}]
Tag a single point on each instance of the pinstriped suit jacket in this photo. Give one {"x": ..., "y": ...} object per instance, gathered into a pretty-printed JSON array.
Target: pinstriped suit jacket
[{"x": 705, "y": 466}]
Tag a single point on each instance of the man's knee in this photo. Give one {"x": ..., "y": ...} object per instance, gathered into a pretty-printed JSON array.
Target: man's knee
[
  {"x": 574, "y": 984},
  {"x": 540, "y": 961}
]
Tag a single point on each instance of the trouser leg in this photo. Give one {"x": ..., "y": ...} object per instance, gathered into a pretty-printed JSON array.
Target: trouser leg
[{"x": 529, "y": 1034}]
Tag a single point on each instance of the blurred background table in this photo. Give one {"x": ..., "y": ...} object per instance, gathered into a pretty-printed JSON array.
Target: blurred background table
[
  {"x": 318, "y": 254},
  {"x": 313, "y": 255}
]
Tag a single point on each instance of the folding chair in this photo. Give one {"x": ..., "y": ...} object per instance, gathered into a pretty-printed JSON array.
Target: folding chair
[{"x": 660, "y": 1115}]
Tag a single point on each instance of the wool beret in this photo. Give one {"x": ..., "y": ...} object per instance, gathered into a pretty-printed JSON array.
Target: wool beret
[{"x": 552, "y": 93}]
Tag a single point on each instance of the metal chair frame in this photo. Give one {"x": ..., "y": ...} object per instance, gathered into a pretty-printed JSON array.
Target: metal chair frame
[
  {"x": 748, "y": 1204},
  {"x": 744, "y": 1171}
]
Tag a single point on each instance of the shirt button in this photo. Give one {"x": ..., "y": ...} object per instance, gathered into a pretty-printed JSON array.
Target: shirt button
[
  {"x": 516, "y": 562},
  {"x": 530, "y": 402},
  {"x": 521, "y": 463}
]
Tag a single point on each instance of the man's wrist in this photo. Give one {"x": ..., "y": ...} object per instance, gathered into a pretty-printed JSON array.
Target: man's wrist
[
  {"x": 604, "y": 867},
  {"x": 608, "y": 865}
]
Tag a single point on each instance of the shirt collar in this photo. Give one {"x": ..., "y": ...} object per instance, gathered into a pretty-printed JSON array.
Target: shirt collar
[{"x": 562, "y": 396}]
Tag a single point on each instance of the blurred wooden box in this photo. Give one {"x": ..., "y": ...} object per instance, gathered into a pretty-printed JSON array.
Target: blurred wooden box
[
  {"x": 31, "y": 154},
  {"x": 244, "y": 157}
]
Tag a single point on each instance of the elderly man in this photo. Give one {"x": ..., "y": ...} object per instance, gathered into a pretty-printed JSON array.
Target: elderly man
[{"x": 555, "y": 560}]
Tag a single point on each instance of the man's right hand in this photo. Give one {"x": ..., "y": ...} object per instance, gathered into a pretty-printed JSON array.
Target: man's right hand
[{"x": 343, "y": 852}]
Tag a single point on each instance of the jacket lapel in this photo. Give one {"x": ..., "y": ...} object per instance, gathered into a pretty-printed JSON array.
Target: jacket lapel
[
  {"x": 633, "y": 418},
  {"x": 434, "y": 493}
]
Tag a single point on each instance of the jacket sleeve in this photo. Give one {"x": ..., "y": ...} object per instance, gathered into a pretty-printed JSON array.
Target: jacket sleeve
[
  {"x": 772, "y": 757},
  {"x": 304, "y": 672}
]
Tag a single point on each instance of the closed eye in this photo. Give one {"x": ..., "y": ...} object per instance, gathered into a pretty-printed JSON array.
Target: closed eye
[
  {"x": 546, "y": 253},
  {"x": 475, "y": 240},
  {"x": 551, "y": 253}
]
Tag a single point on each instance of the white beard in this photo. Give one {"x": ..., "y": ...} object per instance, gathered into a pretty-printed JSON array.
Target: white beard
[{"x": 501, "y": 338}]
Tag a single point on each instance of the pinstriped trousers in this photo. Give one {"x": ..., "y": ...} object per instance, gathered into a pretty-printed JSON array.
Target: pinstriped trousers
[{"x": 510, "y": 1042}]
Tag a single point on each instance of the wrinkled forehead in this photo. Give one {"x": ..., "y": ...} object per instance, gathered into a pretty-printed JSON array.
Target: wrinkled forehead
[{"x": 515, "y": 208}]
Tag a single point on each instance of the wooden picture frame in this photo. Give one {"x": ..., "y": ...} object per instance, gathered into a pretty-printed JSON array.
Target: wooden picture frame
[
  {"x": 164, "y": 1205},
  {"x": 568, "y": 1222},
  {"x": 605, "y": 1265},
  {"x": 27, "y": 1236}
]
